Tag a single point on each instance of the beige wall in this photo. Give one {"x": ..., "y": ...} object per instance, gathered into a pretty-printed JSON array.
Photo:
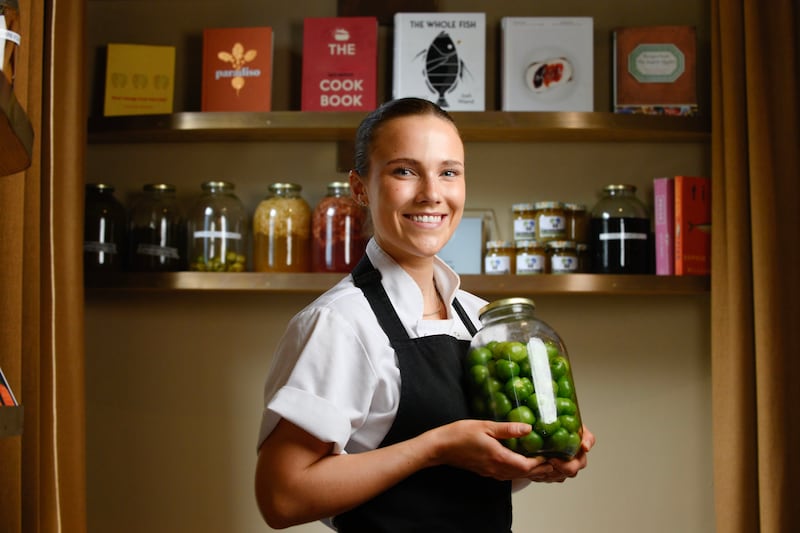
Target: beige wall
[{"x": 174, "y": 379}]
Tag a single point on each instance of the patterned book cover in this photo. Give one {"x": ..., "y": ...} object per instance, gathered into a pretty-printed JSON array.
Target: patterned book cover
[
  {"x": 441, "y": 57},
  {"x": 654, "y": 70},
  {"x": 664, "y": 225},
  {"x": 140, "y": 79},
  {"x": 692, "y": 225},
  {"x": 237, "y": 69},
  {"x": 547, "y": 63},
  {"x": 340, "y": 64}
]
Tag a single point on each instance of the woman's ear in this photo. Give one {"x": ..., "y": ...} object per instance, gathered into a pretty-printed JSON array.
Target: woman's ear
[{"x": 357, "y": 188}]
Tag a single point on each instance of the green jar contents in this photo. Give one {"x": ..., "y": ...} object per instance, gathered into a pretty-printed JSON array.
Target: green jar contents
[
  {"x": 216, "y": 230},
  {"x": 518, "y": 370}
]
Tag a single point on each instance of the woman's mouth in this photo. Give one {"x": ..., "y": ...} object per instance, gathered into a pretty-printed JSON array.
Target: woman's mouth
[{"x": 426, "y": 219}]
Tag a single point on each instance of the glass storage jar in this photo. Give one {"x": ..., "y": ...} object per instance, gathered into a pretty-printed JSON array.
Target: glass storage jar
[
  {"x": 157, "y": 231},
  {"x": 518, "y": 370},
  {"x": 217, "y": 230},
  {"x": 282, "y": 231},
  {"x": 562, "y": 256},
  {"x": 531, "y": 258},
  {"x": 339, "y": 230},
  {"x": 500, "y": 258},
  {"x": 551, "y": 222},
  {"x": 620, "y": 232},
  {"x": 103, "y": 230},
  {"x": 524, "y": 220},
  {"x": 577, "y": 222}
]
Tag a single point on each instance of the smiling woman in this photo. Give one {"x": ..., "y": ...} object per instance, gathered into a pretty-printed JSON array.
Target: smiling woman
[{"x": 368, "y": 378}]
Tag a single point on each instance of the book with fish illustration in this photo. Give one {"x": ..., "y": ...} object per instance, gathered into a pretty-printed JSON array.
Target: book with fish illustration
[
  {"x": 140, "y": 79},
  {"x": 547, "y": 63},
  {"x": 654, "y": 70},
  {"x": 692, "y": 225},
  {"x": 441, "y": 57},
  {"x": 340, "y": 64},
  {"x": 237, "y": 69}
]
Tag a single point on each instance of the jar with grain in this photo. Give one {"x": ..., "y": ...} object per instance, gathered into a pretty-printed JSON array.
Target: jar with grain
[{"x": 282, "y": 231}]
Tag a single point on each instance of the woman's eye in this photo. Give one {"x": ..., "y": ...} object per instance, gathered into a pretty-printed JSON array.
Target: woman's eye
[{"x": 403, "y": 171}]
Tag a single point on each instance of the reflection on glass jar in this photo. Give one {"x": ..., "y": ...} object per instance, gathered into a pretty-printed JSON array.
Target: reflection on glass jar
[
  {"x": 157, "y": 231},
  {"x": 339, "y": 229},
  {"x": 103, "y": 230},
  {"x": 216, "y": 228},
  {"x": 282, "y": 231}
]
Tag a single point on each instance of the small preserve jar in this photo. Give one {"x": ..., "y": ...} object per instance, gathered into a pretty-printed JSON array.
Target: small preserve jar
[
  {"x": 518, "y": 370},
  {"x": 524, "y": 221},
  {"x": 620, "y": 232},
  {"x": 216, "y": 230},
  {"x": 551, "y": 222},
  {"x": 562, "y": 256},
  {"x": 500, "y": 258},
  {"x": 157, "y": 233},
  {"x": 339, "y": 231},
  {"x": 577, "y": 222},
  {"x": 531, "y": 258},
  {"x": 282, "y": 231},
  {"x": 103, "y": 230}
]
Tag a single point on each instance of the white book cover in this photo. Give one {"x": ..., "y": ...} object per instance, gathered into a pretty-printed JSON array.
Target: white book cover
[
  {"x": 547, "y": 63},
  {"x": 441, "y": 57}
]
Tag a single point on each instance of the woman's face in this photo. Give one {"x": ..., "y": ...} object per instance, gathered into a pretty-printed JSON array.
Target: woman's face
[{"x": 415, "y": 186}]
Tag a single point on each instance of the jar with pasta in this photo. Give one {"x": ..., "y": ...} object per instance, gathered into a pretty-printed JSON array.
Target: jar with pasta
[{"x": 282, "y": 231}]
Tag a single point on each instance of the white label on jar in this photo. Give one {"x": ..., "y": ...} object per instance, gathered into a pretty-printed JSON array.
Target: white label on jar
[
  {"x": 497, "y": 264},
  {"x": 100, "y": 247},
  {"x": 542, "y": 380},
  {"x": 621, "y": 236},
  {"x": 552, "y": 225},
  {"x": 210, "y": 234},
  {"x": 530, "y": 263},
  {"x": 158, "y": 251},
  {"x": 524, "y": 229},
  {"x": 560, "y": 264}
]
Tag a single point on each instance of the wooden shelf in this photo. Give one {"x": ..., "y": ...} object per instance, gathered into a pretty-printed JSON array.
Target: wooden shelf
[
  {"x": 311, "y": 283},
  {"x": 10, "y": 421},
  {"x": 490, "y": 126},
  {"x": 16, "y": 132}
]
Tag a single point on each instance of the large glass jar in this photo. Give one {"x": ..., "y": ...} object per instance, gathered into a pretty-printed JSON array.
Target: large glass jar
[
  {"x": 217, "y": 230},
  {"x": 157, "y": 231},
  {"x": 518, "y": 370},
  {"x": 339, "y": 230},
  {"x": 103, "y": 230},
  {"x": 620, "y": 232},
  {"x": 282, "y": 231}
]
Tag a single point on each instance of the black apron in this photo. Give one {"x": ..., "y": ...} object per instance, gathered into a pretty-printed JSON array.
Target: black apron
[{"x": 440, "y": 499}]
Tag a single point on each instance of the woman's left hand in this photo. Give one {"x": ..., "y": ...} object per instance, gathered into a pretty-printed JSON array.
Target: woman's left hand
[{"x": 558, "y": 470}]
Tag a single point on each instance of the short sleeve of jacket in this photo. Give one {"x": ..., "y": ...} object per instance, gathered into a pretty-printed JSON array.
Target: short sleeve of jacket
[{"x": 321, "y": 378}]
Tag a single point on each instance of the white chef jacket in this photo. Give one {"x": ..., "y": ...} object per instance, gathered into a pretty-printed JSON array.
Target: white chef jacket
[{"x": 334, "y": 373}]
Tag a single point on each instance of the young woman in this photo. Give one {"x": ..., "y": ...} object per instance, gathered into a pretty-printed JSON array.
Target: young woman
[{"x": 365, "y": 423}]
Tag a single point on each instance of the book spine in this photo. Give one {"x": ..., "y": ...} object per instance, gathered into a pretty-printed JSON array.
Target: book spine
[
  {"x": 692, "y": 225},
  {"x": 679, "y": 225},
  {"x": 664, "y": 223}
]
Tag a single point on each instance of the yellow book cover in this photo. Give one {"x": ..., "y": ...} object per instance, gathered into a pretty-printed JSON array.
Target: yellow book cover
[{"x": 139, "y": 79}]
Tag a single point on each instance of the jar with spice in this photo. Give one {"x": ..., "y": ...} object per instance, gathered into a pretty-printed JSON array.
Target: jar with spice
[
  {"x": 562, "y": 257},
  {"x": 500, "y": 258},
  {"x": 217, "y": 230},
  {"x": 282, "y": 231},
  {"x": 531, "y": 258},
  {"x": 157, "y": 231},
  {"x": 620, "y": 232},
  {"x": 551, "y": 222},
  {"x": 103, "y": 230},
  {"x": 339, "y": 230}
]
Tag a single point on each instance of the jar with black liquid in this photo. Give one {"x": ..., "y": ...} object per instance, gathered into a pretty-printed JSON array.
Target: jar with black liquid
[
  {"x": 103, "y": 230},
  {"x": 620, "y": 232},
  {"x": 157, "y": 232}
]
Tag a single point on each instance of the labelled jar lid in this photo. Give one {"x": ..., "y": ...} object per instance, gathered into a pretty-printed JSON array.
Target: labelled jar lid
[
  {"x": 522, "y": 207},
  {"x": 517, "y": 301},
  {"x": 159, "y": 187},
  {"x": 548, "y": 205}
]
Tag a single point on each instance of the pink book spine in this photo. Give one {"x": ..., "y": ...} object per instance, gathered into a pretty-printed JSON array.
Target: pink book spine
[{"x": 664, "y": 224}]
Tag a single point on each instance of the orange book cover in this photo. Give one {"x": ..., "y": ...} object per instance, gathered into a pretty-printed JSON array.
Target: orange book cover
[
  {"x": 237, "y": 69},
  {"x": 692, "y": 225},
  {"x": 655, "y": 70}
]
